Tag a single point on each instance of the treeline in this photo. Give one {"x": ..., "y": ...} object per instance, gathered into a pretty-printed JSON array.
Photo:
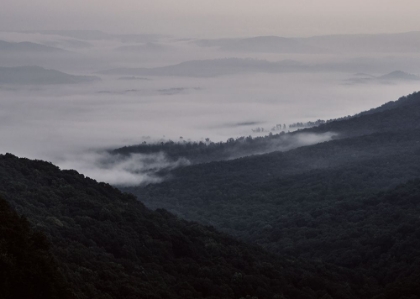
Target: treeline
[
  {"x": 309, "y": 124},
  {"x": 203, "y": 152},
  {"x": 394, "y": 116},
  {"x": 400, "y": 115}
]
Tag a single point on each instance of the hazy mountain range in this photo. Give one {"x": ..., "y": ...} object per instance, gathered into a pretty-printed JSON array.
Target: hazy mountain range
[
  {"x": 146, "y": 47},
  {"x": 94, "y": 35},
  {"x": 232, "y": 66},
  {"x": 212, "y": 68},
  {"x": 393, "y": 77},
  {"x": 28, "y": 47},
  {"x": 263, "y": 44},
  {"x": 28, "y": 75},
  {"x": 363, "y": 43}
]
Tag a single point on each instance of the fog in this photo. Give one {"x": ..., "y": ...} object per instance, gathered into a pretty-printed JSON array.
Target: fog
[
  {"x": 167, "y": 87},
  {"x": 132, "y": 170}
]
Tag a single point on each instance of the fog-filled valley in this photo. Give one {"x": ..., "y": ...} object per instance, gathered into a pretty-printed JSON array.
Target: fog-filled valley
[{"x": 69, "y": 96}]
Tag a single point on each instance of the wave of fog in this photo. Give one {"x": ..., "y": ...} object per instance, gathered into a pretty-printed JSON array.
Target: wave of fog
[
  {"x": 304, "y": 139},
  {"x": 138, "y": 169},
  {"x": 282, "y": 142},
  {"x": 134, "y": 169}
]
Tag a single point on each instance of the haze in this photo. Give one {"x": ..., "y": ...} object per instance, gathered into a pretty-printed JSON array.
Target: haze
[
  {"x": 78, "y": 78},
  {"x": 215, "y": 18}
]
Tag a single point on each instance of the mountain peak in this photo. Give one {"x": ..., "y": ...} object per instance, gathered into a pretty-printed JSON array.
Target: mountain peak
[{"x": 399, "y": 75}]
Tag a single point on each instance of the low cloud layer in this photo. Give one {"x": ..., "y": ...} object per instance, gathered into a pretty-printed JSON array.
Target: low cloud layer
[
  {"x": 62, "y": 123},
  {"x": 281, "y": 143},
  {"x": 138, "y": 169},
  {"x": 134, "y": 169}
]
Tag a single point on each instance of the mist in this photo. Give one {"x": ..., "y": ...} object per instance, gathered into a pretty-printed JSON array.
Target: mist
[
  {"x": 168, "y": 87},
  {"x": 132, "y": 170},
  {"x": 137, "y": 169},
  {"x": 231, "y": 18}
]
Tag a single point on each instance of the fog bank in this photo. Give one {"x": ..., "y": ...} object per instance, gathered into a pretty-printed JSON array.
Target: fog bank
[{"x": 60, "y": 122}]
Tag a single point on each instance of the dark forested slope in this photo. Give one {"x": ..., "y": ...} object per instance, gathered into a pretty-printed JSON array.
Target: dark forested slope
[
  {"x": 371, "y": 162},
  {"x": 27, "y": 268},
  {"x": 110, "y": 246},
  {"x": 321, "y": 202},
  {"x": 402, "y": 114},
  {"x": 214, "y": 193}
]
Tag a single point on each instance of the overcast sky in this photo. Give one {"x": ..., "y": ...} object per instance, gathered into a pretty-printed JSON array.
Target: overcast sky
[{"x": 213, "y": 18}]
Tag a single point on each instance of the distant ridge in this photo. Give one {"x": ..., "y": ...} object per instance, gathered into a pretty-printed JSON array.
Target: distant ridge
[
  {"x": 392, "y": 77},
  {"x": 408, "y": 42},
  {"x": 234, "y": 65},
  {"x": 27, "y": 47},
  {"x": 91, "y": 35},
  {"x": 28, "y": 75},
  {"x": 263, "y": 44},
  {"x": 147, "y": 47},
  {"x": 211, "y": 68},
  {"x": 399, "y": 75}
]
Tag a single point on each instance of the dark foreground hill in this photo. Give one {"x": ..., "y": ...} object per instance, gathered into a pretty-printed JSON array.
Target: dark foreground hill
[
  {"x": 27, "y": 268},
  {"x": 110, "y": 246}
]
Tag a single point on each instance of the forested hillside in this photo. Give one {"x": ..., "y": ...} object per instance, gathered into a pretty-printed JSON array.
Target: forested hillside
[
  {"x": 110, "y": 246},
  {"x": 27, "y": 268},
  {"x": 340, "y": 219},
  {"x": 331, "y": 202},
  {"x": 402, "y": 114}
]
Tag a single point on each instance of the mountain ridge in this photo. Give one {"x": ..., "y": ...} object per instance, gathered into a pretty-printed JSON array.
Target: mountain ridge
[
  {"x": 34, "y": 75},
  {"x": 293, "y": 202},
  {"x": 323, "y": 44},
  {"x": 28, "y": 47}
]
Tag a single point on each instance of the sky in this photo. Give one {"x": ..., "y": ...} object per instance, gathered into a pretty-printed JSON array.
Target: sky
[{"x": 214, "y": 18}]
